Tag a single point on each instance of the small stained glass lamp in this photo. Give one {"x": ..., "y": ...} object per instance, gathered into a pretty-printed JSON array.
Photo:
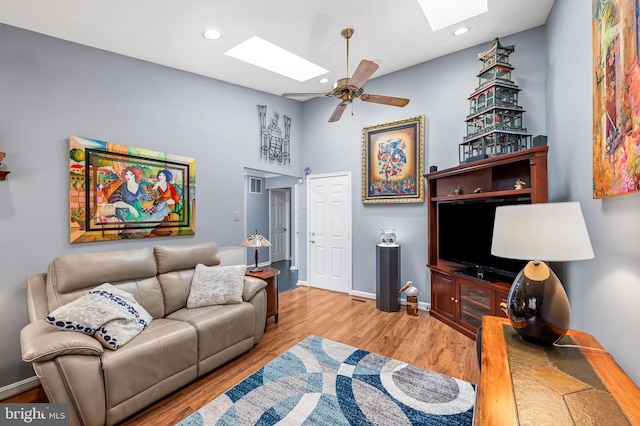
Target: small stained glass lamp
[{"x": 256, "y": 240}]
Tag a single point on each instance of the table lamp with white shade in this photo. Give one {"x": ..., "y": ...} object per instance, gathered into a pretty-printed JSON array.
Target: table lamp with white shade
[{"x": 537, "y": 305}]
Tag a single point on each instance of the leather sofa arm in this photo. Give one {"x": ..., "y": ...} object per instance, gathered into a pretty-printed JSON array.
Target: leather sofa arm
[
  {"x": 37, "y": 296},
  {"x": 41, "y": 341},
  {"x": 252, "y": 286}
]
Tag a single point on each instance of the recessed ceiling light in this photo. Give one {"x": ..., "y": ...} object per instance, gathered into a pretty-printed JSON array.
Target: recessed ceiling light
[
  {"x": 441, "y": 14},
  {"x": 263, "y": 54},
  {"x": 460, "y": 31},
  {"x": 211, "y": 35},
  {"x": 323, "y": 80}
]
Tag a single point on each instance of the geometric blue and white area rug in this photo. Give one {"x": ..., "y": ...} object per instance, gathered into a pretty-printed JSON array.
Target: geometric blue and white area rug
[{"x": 321, "y": 382}]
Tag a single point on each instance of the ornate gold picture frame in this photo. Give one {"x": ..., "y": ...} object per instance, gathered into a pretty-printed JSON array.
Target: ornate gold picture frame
[{"x": 393, "y": 162}]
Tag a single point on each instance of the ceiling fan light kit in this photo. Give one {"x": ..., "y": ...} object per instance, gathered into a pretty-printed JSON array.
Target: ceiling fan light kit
[{"x": 347, "y": 89}]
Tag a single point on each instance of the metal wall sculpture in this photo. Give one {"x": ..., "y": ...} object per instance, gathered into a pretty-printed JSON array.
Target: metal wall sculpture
[{"x": 273, "y": 145}]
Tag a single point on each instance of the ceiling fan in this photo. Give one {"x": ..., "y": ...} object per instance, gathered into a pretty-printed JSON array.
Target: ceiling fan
[{"x": 347, "y": 89}]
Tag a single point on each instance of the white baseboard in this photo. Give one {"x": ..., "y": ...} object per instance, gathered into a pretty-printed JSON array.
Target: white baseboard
[
  {"x": 423, "y": 306},
  {"x": 363, "y": 294},
  {"x": 19, "y": 387}
]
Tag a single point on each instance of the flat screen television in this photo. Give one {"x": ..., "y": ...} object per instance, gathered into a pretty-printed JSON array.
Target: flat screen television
[{"x": 465, "y": 231}]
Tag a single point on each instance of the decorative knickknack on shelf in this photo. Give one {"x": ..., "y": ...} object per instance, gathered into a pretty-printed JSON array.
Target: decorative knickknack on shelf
[
  {"x": 412, "y": 297},
  {"x": 494, "y": 123},
  {"x": 3, "y": 173}
]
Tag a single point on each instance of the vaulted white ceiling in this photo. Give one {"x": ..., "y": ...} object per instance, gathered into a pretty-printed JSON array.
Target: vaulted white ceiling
[{"x": 394, "y": 33}]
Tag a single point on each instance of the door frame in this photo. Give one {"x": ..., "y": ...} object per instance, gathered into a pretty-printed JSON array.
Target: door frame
[{"x": 349, "y": 225}]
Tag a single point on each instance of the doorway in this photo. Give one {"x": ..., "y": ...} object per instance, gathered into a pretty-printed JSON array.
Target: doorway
[
  {"x": 280, "y": 224},
  {"x": 329, "y": 221},
  {"x": 261, "y": 210}
]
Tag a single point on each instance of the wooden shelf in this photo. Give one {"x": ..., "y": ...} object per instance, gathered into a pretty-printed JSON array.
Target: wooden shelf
[
  {"x": 513, "y": 193},
  {"x": 3, "y": 174},
  {"x": 496, "y": 176}
]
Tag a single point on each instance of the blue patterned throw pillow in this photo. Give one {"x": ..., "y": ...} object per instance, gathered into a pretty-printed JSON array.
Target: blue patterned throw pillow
[{"x": 107, "y": 313}]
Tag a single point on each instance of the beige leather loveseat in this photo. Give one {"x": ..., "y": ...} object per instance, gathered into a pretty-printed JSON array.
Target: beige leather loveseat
[{"x": 105, "y": 386}]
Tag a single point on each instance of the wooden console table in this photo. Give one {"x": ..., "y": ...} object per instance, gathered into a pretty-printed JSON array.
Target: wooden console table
[
  {"x": 526, "y": 384},
  {"x": 270, "y": 276}
]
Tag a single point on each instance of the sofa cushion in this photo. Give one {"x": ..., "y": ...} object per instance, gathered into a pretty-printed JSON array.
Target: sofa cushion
[
  {"x": 165, "y": 350},
  {"x": 82, "y": 271},
  {"x": 219, "y": 327},
  {"x": 176, "y": 265},
  {"x": 109, "y": 314},
  {"x": 134, "y": 270},
  {"x": 181, "y": 257},
  {"x": 218, "y": 285}
]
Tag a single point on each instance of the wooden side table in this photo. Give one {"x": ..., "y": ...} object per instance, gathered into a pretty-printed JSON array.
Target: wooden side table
[
  {"x": 270, "y": 276},
  {"x": 523, "y": 383}
]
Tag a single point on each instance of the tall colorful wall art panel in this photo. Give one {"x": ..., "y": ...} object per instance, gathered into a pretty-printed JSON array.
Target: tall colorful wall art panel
[
  {"x": 119, "y": 192},
  {"x": 616, "y": 97}
]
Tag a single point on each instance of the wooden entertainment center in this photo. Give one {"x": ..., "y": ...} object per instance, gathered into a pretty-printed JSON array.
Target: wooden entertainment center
[{"x": 459, "y": 300}]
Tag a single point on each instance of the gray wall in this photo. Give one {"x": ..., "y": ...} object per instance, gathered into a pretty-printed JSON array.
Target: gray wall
[
  {"x": 438, "y": 90},
  {"x": 257, "y": 220},
  {"x": 52, "y": 89},
  {"x": 603, "y": 291}
]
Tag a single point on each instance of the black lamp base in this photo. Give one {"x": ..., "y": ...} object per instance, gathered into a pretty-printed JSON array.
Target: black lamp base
[
  {"x": 256, "y": 269},
  {"x": 538, "y": 307}
]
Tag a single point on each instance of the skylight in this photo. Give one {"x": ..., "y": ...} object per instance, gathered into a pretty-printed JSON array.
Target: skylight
[
  {"x": 441, "y": 14},
  {"x": 263, "y": 54}
]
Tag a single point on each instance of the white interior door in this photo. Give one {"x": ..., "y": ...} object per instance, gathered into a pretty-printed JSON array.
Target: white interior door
[
  {"x": 280, "y": 217},
  {"x": 329, "y": 219}
]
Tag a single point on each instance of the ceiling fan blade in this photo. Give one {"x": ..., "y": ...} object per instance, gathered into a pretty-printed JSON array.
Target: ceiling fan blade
[
  {"x": 364, "y": 71},
  {"x": 337, "y": 113},
  {"x": 387, "y": 100},
  {"x": 305, "y": 95}
]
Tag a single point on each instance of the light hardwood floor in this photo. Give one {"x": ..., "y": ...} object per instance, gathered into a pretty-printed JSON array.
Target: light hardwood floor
[{"x": 418, "y": 340}]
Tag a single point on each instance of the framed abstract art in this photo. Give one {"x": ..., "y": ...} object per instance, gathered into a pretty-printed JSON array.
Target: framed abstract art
[
  {"x": 121, "y": 192},
  {"x": 393, "y": 162},
  {"x": 616, "y": 97}
]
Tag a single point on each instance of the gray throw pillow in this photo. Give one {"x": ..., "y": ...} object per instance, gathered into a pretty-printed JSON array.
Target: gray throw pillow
[{"x": 216, "y": 285}]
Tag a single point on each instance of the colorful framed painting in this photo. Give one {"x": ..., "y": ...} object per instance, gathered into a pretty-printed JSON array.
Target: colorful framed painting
[
  {"x": 120, "y": 192},
  {"x": 616, "y": 97},
  {"x": 393, "y": 162}
]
